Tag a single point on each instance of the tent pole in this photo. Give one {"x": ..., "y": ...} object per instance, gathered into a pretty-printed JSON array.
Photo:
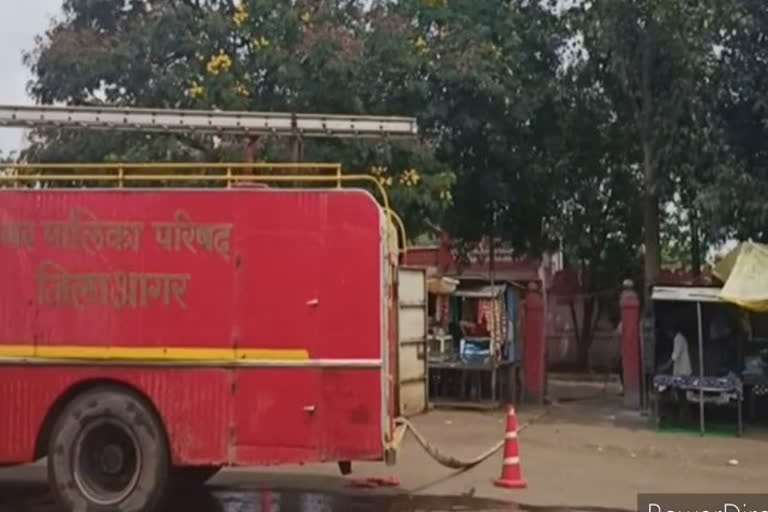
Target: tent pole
[{"x": 701, "y": 369}]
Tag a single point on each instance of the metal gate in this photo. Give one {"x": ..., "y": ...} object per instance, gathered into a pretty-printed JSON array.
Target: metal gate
[{"x": 412, "y": 337}]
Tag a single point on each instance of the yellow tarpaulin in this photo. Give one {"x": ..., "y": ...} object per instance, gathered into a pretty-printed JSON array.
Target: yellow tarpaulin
[
  {"x": 441, "y": 285},
  {"x": 722, "y": 268},
  {"x": 745, "y": 273}
]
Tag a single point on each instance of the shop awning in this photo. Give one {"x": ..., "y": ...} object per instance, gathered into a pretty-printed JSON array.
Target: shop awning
[
  {"x": 482, "y": 292},
  {"x": 745, "y": 273},
  {"x": 441, "y": 285},
  {"x": 686, "y": 294}
]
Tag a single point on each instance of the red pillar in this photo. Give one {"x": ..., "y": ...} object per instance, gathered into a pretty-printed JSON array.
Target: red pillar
[
  {"x": 630, "y": 345},
  {"x": 534, "y": 354}
]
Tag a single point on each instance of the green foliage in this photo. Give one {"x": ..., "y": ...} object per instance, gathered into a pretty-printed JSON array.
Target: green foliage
[
  {"x": 491, "y": 71},
  {"x": 539, "y": 126},
  {"x": 302, "y": 56},
  {"x": 733, "y": 193},
  {"x": 596, "y": 211},
  {"x": 649, "y": 57}
]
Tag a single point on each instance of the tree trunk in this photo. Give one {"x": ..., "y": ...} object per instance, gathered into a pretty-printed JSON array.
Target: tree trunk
[
  {"x": 492, "y": 248},
  {"x": 650, "y": 220},
  {"x": 650, "y": 185},
  {"x": 576, "y": 325},
  {"x": 695, "y": 244}
]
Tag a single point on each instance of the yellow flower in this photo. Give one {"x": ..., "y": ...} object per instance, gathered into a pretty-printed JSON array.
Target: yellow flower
[
  {"x": 195, "y": 90},
  {"x": 421, "y": 45},
  {"x": 410, "y": 178},
  {"x": 260, "y": 42},
  {"x": 241, "y": 90},
  {"x": 219, "y": 63},
  {"x": 306, "y": 18},
  {"x": 378, "y": 171},
  {"x": 386, "y": 181},
  {"x": 240, "y": 16},
  {"x": 446, "y": 196}
]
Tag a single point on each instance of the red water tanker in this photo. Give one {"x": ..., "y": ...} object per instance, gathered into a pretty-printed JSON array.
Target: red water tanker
[{"x": 147, "y": 334}]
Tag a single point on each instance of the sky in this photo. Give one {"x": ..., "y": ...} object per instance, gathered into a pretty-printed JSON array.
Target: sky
[{"x": 20, "y": 22}]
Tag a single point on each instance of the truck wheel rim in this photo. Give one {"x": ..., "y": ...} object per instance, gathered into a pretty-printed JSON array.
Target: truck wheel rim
[{"x": 107, "y": 462}]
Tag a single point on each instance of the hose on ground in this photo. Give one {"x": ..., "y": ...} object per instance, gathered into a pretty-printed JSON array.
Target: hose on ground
[{"x": 454, "y": 462}]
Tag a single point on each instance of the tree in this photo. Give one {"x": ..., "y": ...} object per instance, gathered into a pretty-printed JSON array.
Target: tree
[
  {"x": 539, "y": 154},
  {"x": 491, "y": 75},
  {"x": 700, "y": 155},
  {"x": 594, "y": 210},
  {"x": 733, "y": 194},
  {"x": 302, "y": 56},
  {"x": 650, "y": 55}
]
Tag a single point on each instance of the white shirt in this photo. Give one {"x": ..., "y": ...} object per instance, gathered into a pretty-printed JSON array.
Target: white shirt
[{"x": 680, "y": 358}]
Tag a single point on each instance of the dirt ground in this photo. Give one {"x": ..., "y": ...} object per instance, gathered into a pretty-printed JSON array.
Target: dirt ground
[
  {"x": 589, "y": 452},
  {"x": 585, "y": 453}
]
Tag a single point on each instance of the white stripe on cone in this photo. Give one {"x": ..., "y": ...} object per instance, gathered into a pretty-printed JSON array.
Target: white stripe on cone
[
  {"x": 510, "y": 435},
  {"x": 510, "y": 461},
  {"x": 511, "y": 411}
]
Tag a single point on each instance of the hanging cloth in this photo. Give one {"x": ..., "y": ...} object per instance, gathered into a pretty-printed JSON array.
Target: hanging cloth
[
  {"x": 445, "y": 308},
  {"x": 442, "y": 309},
  {"x": 495, "y": 325},
  {"x": 484, "y": 313}
]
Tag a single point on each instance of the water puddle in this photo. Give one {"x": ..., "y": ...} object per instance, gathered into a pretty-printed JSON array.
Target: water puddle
[
  {"x": 35, "y": 498},
  {"x": 27, "y": 497},
  {"x": 266, "y": 501}
]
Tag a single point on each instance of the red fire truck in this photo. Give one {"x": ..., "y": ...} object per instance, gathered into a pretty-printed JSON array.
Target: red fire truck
[{"x": 151, "y": 333}]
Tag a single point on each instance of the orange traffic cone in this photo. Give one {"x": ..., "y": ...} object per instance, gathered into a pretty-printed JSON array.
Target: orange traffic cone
[{"x": 511, "y": 476}]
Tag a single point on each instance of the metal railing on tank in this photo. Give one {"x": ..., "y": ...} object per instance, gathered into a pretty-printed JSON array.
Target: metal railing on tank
[{"x": 187, "y": 175}]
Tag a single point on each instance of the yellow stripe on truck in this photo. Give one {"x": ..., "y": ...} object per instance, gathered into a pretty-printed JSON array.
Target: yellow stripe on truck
[{"x": 178, "y": 354}]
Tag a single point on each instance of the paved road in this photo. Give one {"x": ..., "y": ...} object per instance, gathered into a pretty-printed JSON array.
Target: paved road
[{"x": 23, "y": 489}]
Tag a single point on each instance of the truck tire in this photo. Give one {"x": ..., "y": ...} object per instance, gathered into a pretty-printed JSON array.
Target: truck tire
[{"x": 108, "y": 452}]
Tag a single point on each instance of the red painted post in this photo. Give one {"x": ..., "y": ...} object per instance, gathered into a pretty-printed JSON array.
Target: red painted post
[
  {"x": 534, "y": 363},
  {"x": 630, "y": 345}
]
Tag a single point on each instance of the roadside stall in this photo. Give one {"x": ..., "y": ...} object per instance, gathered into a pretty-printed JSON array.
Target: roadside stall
[
  {"x": 483, "y": 358},
  {"x": 731, "y": 330},
  {"x": 745, "y": 273},
  {"x": 708, "y": 369},
  {"x": 440, "y": 289}
]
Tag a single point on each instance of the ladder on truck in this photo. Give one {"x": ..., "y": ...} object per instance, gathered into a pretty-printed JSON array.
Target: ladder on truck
[
  {"x": 233, "y": 123},
  {"x": 207, "y": 121}
]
